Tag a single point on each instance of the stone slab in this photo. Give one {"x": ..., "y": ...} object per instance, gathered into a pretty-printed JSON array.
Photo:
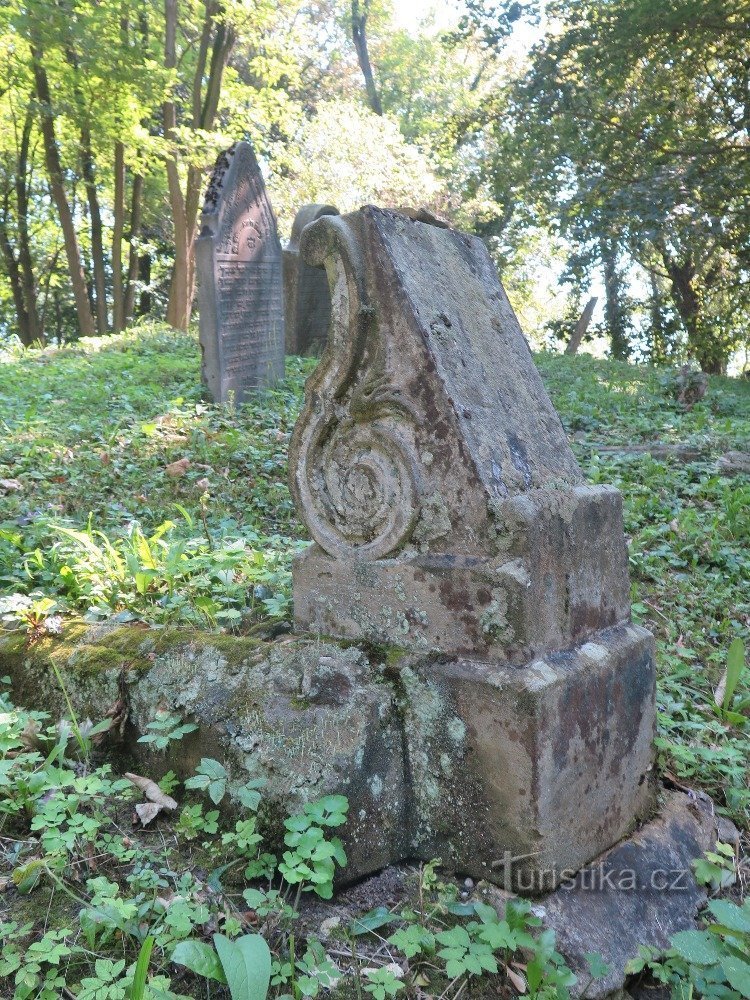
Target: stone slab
[
  {"x": 240, "y": 296},
  {"x": 641, "y": 892},
  {"x": 563, "y": 576},
  {"x": 430, "y": 466}
]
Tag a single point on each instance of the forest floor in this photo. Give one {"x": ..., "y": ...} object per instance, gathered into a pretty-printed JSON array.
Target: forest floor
[{"x": 123, "y": 493}]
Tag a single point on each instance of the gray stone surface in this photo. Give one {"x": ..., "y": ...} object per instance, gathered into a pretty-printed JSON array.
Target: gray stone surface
[
  {"x": 520, "y": 775},
  {"x": 430, "y": 466},
  {"x": 451, "y": 519},
  {"x": 240, "y": 294},
  {"x": 639, "y": 893},
  {"x": 307, "y": 297}
]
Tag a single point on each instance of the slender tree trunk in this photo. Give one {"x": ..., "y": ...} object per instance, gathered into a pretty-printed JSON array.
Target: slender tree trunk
[
  {"x": 97, "y": 230},
  {"x": 178, "y": 310},
  {"x": 133, "y": 237},
  {"x": 25, "y": 259},
  {"x": 57, "y": 189},
  {"x": 614, "y": 311},
  {"x": 581, "y": 326},
  {"x": 118, "y": 294},
  {"x": 14, "y": 276},
  {"x": 659, "y": 335},
  {"x": 144, "y": 278},
  {"x": 359, "y": 37},
  {"x": 205, "y": 105}
]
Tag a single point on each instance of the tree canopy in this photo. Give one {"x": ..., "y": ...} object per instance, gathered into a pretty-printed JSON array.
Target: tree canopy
[{"x": 599, "y": 146}]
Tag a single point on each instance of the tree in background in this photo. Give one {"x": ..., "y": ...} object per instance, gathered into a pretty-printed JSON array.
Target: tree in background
[{"x": 634, "y": 122}]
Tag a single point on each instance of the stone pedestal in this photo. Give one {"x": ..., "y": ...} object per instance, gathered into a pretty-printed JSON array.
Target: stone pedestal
[{"x": 452, "y": 522}]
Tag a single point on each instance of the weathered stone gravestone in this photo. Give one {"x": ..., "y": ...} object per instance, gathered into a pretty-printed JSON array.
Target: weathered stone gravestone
[
  {"x": 307, "y": 298},
  {"x": 452, "y": 521},
  {"x": 240, "y": 294}
]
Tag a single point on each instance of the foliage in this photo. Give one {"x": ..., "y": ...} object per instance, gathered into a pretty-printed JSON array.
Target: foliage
[
  {"x": 162, "y": 550},
  {"x": 624, "y": 135},
  {"x": 713, "y": 962}
]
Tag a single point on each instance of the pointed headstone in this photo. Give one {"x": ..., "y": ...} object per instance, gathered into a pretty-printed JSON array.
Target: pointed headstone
[
  {"x": 451, "y": 521},
  {"x": 240, "y": 292}
]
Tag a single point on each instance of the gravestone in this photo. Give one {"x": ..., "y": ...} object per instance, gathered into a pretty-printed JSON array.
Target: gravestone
[
  {"x": 307, "y": 298},
  {"x": 453, "y": 525},
  {"x": 238, "y": 257}
]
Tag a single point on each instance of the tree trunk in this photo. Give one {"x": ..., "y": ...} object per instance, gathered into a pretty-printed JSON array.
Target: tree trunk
[
  {"x": 118, "y": 296},
  {"x": 702, "y": 346},
  {"x": 133, "y": 237},
  {"x": 14, "y": 276},
  {"x": 25, "y": 259},
  {"x": 359, "y": 37},
  {"x": 57, "y": 188},
  {"x": 144, "y": 278},
  {"x": 581, "y": 326},
  {"x": 185, "y": 206},
  {"x": 97, "y": 230},
  {"x": 614, "y": 312}
]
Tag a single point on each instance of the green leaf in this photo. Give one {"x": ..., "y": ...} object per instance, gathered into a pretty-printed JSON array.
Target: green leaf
[
  {"x": 247, "y": 965},
  {"x": 597, "y": 966},
  {"x": 735, "y": 663},
  {"x": 737, "y": 973},
  {"x": 138, "y": 989},
  {"x": 729, "y": 915},
  {"x": 371, "y": 921},
  {"x": 698, "y": 947},
  {"x": 200, "y": 958}
]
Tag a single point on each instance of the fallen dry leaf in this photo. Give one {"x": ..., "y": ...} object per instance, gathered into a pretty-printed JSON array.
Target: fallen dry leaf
[
  {"x": 517, "y": 979},
  {"x": 29, "y": 736},
  {"x": 203, "y": 484},
  {"x": 178, "y": 468},
  {"x": 117, "y": 715},
  {"x": 9, "y": 485},
  {"x": 152, "y": 791},
  {"x": 720, "y": 690},
  {"x": 147, "y": 811}
]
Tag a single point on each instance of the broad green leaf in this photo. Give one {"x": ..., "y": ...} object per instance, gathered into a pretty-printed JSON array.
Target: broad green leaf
[
  {"x": 200, "y": 958},
  {"x": 368, "y": 922},
  {"x": 735, "y": 663},
  {"x": 698, "y": 947},
  {"x": 730, "y": 915},
  {"x": 247, "y": 965},
  {"x": 737, "y": 973}
]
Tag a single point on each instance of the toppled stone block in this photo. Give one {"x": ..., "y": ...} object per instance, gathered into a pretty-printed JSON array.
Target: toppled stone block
[
  {"x": 641, "y": 892},
  {"x": 311, "y": 718}
]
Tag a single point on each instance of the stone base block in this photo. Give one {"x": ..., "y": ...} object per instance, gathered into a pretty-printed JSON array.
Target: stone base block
[
  {"x": 310, "y": 717},
  {"x": 522, "y": 775},
  {"x": 561, "y": 576}
]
